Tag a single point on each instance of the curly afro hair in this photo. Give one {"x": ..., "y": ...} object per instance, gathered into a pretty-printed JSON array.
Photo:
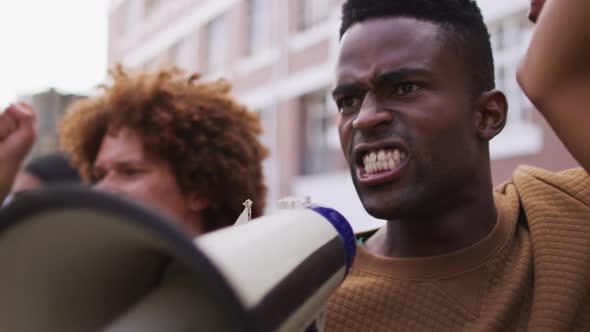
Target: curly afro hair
[
  {"x": 461, "y": 24},
  {"x": 210, "y": 140}
]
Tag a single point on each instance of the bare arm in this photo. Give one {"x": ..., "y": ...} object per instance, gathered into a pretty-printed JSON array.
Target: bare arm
[
  {"x": 17, "y": 133},
  {"x": 555, "y": 73}
]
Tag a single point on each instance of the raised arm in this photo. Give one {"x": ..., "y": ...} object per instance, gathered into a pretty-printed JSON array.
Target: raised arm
[
  {"x": 17, "y": 134},
  {"x": 555, "y": 73}
]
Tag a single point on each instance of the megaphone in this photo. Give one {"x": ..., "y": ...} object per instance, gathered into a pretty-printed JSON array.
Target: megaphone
[{"x": 78, "y": 260}]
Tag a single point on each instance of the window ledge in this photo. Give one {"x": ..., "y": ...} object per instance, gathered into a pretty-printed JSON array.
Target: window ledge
[
  {"x": 310, "y": 36},
  {"x": 257, "y": 61}
]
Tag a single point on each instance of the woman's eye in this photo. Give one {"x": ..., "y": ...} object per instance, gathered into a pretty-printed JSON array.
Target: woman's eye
[
  {"x": 129, "y": 171},
  {"x": 406, "y": 87},
  {"x": 96, "y": 176}
]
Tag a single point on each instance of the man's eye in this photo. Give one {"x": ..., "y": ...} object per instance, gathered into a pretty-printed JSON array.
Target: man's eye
[
  {"x": 349, "y": 104},
  {"x": 406, "y": 87}
]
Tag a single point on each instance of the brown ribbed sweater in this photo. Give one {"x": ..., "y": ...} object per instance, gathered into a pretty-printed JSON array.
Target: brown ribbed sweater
[{"x": 530, "y": 273}]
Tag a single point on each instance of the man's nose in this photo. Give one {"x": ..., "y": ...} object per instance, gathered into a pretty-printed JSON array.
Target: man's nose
[{"x": 371, "y": 115}]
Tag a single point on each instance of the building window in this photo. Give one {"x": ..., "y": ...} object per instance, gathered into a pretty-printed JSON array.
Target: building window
[
  {"x": 508, "y": 36},
  {"x": 321, "y": 146},
  {"x": 216, "y": 45},
  {"x": 313, "y": 12},
  {"x": 270, "y": 165},
  {"x": 259, "y": 25},
  {"x": 183, "y": 53},
  {"x": 132, "y": 16}
]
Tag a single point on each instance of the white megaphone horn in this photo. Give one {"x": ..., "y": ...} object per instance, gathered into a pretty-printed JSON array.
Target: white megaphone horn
[{"x": 78, "y": 260}]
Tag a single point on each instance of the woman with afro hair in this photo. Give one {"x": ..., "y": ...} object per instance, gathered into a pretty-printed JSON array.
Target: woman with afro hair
[{"x": 172, "y": 142}]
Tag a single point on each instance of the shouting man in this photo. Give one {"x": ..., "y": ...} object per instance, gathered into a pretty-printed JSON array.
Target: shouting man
[{"x": 418, "y": 106}]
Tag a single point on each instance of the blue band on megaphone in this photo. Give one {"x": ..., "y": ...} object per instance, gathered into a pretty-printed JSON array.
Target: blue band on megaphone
[{"x": 343, "y": 228}]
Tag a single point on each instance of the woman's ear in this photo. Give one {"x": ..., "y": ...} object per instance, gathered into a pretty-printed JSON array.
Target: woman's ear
[
  {"x": 490, "y": 115},
  {"x": 196, "y": 203}
]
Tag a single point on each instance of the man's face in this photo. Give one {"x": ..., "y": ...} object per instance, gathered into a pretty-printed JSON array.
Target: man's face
[
  {"x": 406, "y": 125},
  {"x": 123, "y": 167},
  {"x": 535, "y": 10}
]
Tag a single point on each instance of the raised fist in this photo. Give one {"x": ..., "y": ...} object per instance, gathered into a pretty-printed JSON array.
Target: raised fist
[{"x": 17, "y": 134}]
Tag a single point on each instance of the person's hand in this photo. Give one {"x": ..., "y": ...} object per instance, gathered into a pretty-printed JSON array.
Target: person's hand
[
  {"x": 17, "y": 134},
  {"x": 535, "y": 10}
]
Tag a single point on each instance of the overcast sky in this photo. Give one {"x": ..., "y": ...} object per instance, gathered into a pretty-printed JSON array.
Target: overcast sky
[{"x": 51, "y": 43}]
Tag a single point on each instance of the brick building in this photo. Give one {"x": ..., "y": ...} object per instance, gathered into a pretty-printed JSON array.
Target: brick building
[{"x": 280, "y": 55}]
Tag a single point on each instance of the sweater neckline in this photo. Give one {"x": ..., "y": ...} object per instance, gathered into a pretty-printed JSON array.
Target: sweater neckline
[{"x": 448, "y": 265}]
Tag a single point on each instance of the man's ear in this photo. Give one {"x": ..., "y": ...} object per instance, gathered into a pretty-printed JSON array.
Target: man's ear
[
  {"x": 490, "y": 114},
  {"x": 196, "y": 203}
]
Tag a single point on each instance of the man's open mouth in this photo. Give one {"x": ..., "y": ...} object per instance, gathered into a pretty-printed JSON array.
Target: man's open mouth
[{"x": 383, "y": 160}]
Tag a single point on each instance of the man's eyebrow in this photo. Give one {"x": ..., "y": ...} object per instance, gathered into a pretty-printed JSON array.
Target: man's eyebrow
[
  {"x": 348, "y": 89},
  {"x": 388, "y": 77},
  {"x": 399, "y": 75}
]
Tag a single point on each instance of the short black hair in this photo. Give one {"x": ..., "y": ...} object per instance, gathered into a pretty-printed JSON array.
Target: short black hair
[
  {"x": 52, "y": 169},
  {"x": 461, "y": 23}
]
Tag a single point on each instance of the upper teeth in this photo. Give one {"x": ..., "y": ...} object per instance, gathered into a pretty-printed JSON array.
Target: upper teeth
[{"x": 383, "y": 160}]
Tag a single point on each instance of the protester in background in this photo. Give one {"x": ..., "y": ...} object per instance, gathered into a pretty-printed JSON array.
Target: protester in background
[
  {"x": 48, "y": 170},
  {"x": 418, "y": 106},
  {"x": 176, "y": 144},
  {"x": 45, "y": 170}
]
